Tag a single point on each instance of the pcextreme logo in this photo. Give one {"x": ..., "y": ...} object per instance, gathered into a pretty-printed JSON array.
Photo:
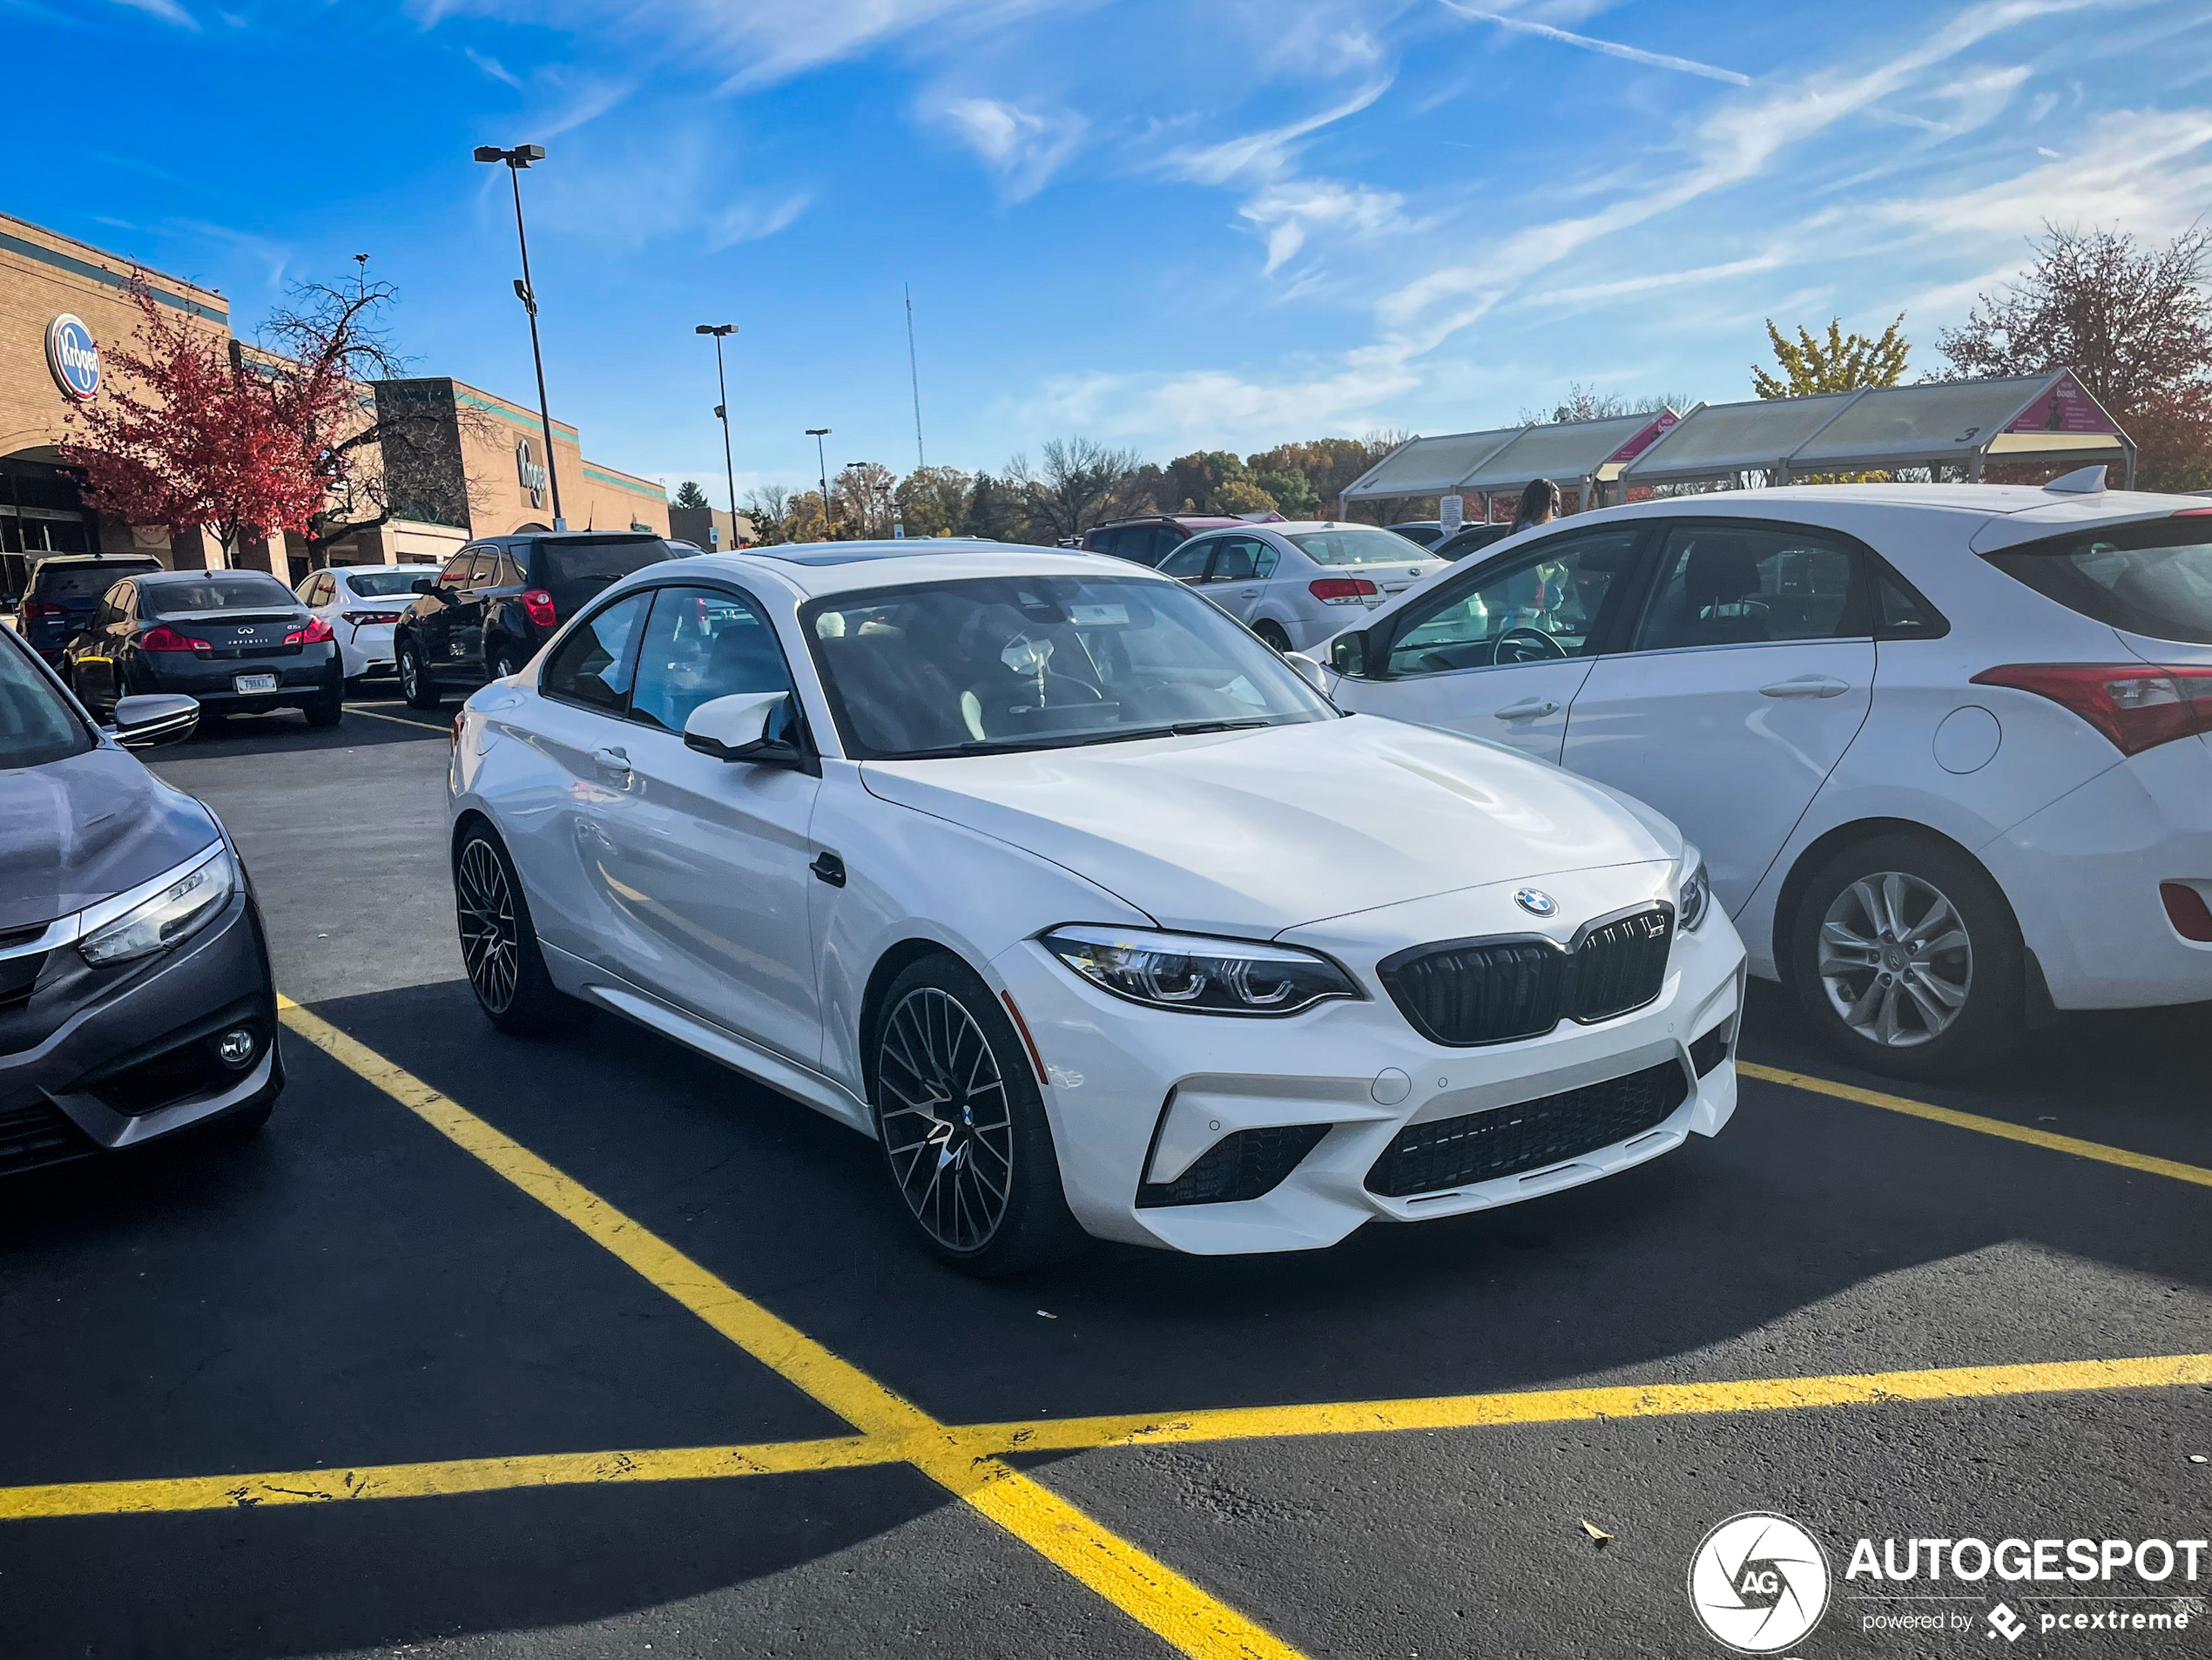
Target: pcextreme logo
[{"x": 1758, "y": 1583}]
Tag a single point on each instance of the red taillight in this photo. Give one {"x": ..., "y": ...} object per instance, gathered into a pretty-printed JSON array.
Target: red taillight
[
  {"x": 363, "y": 619},
  {"x": 2138, "y": 706},
  {"x": 2193, "y": 513},
  {"x": 41, "y": 608},
  {"x": 1342, "y": 591},
  {"x": 459, "y": 716},
  {"x": 537, "y": 604},
  {"x": 315, "y": 633},
  {"x": 164, "y": 638},
  {"x": 2187, "y": 911}
]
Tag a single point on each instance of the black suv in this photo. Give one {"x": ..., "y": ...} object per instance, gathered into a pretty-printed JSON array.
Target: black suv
[
  {"x": 1149, "y": 540},
  {"x": 484, "y": 616},
  {"x": 65, "y": 591}
]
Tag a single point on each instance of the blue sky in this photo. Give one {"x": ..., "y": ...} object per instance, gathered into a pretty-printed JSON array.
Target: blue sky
[{"x": 1168, "y": 224}]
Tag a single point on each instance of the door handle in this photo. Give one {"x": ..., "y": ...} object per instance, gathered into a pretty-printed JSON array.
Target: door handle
[
  {"x": 1806, "y": 686},
  {"x": 1529, "y": 709},
  {"x": 615, "y": 760},
  {"x": 1248, "y": 593},
  {"x": 828, "y": 868}
]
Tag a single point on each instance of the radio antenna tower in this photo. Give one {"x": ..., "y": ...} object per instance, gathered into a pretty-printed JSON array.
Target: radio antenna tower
[{"x": 913, "y": 372}]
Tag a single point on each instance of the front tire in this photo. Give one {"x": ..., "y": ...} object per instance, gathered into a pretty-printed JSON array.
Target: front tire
[
  {"x": 499, "y": 944},
  {"x": 1273, "y": 634},
  {"x": 962, "y": 1126},
  {"x": 415, "y": 684},
  {"x": 1907, "y": 960}
]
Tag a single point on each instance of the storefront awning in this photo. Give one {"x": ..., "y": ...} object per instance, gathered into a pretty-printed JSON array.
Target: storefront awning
[
  {"x": 1429, "y": 466},
  {"x": 1507, "y": 457}
]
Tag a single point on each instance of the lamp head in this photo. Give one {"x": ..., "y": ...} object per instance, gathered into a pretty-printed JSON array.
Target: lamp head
[{"x": 490, "y": 152}]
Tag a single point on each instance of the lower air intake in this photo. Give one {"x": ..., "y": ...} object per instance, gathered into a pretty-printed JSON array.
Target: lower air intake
[
  {"x": 1506, "y": 1141},
  {"x": 1242, "y": 1165}
]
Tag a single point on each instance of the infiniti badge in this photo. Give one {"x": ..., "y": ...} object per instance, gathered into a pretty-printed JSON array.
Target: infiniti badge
[{"x": 1535, "y": 901}]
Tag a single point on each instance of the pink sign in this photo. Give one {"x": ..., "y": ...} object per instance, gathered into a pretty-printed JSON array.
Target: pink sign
[
  {"x": 1661, "y": 425},
  {"x": 2065, "y": 407}
]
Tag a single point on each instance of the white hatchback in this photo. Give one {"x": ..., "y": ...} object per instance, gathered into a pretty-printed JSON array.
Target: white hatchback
[
  {"x": 1294, "y": 585},
  {"x": 361, "y": 603},
  {"x": 1083, "y": 902},
  {"x": 1942, "y": 745}
]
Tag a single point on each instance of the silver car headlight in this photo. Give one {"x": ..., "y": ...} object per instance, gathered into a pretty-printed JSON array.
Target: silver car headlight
[
  {"x": 1197, "y": 975},
  {"x": 1694, "y": 897},
  {"x": 189, "y": 898}
]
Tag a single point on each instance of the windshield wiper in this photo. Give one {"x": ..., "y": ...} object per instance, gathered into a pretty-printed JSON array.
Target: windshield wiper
[{"x": 1179, "y": 729}]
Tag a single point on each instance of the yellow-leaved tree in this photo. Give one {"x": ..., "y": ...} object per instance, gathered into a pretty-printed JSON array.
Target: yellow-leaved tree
[{"x": 1839, "y": 363}]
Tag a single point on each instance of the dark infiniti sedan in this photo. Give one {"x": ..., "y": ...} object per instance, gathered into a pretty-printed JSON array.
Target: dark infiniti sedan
[
  {"x": 136, "y": 1001},
  {"x": 238, "y": 641}
]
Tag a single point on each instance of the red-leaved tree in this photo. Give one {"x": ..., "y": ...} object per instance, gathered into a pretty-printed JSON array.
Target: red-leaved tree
[{"x": 189, "y": 434}]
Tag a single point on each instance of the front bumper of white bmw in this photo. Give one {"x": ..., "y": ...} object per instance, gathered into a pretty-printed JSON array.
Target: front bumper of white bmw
[{"x": 1219, "y": 1135}]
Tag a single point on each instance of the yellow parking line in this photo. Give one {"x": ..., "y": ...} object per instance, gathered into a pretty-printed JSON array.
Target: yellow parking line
[
  {"x": 1561, "y": 1406},
  {"x": 434, "y": 1480},
  {"x": 397, "y": 720},
  {"x": 1138, "y": 1583},
  {"x": 1999, "y": 1127}
]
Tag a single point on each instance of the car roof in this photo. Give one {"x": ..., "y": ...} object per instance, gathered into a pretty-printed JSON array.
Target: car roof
[
  {"x": 193, "y": 576},
  {"x": 816, "y": 569},
  {"x": 94, "y": 559}
]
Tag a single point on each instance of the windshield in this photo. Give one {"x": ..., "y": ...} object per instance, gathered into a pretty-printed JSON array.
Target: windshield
[
  {"x": 36, "y": 726},
  {"x": 1356, "y": 545},
  {"x": 229, "y": 591},
  {"x": 85, "y": 582},
  {"x": 1041, "y": 662},
  {"x": 2153, "y": 577},
  {"x": 574, "y": 569},
  {"x": 383, "y": 585}
]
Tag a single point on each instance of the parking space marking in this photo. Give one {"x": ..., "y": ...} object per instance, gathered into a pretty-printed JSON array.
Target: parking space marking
[
  {"x": 1562, "y": 1406},
  {"x": 436, "y": 1480},
  {"x": 397, "y": 720},
  {"x": 1973, "y": 1121},
  {"x": 1140, "y": 1585}
]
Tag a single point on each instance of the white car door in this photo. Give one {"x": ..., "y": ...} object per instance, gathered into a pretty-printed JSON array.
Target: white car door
[
  {"x": 1498, "y": 651},
  {"x": 704, "y": 861},
  {"x": 1748, "y": 674}
]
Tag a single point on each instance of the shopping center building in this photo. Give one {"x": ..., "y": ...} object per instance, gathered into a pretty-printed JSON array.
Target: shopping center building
[{"x": 61, "y": 300}]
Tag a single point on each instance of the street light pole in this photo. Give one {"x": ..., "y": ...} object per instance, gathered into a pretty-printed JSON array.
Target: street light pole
[
  {"x": 817, "y": 434},
  {"x": 517, "y": 159},
  {"x": 722, "y": 410}
]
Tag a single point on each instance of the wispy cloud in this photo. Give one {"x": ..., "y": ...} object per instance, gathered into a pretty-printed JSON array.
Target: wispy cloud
[
  {"x": 494, "y": 68},
  {"x": 754, "y": 221},
  {"x": 1264, "y": 154},
  {"x": 1609, "y": 47},
  {"x": 167, "y": 11},
  {"x": 1024, "y": 145},
  {"x": 1292, "y": 208}
]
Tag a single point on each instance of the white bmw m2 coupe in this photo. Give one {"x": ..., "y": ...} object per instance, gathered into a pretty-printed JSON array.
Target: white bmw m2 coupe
[{"x": 1046, "y": 873}]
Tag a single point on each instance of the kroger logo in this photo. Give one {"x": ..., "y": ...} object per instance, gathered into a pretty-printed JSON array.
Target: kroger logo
[
  {"x": 529, "y": 472},
  {"x": 73, "y": 356}
]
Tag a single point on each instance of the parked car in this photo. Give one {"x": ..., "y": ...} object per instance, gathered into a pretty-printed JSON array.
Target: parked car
[
  {"x": 136, "y": 1002},
  {"x": 65, "y": 591},
  {"x": 361, "y": 604},
  {"x": 1940, "y": 744},
  {"x": 1427, "y": 532},
  {"x": 1147, "y": 541},
  {"x": 1471, "y": 538},
  {"x": 1294, "y": 583},
  {"x": 497, "y": 601},
  {"x": 238, "y": 641},
  {"x": 1086, "y": 905}
]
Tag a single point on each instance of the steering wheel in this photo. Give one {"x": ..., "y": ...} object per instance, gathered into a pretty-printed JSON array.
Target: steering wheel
[{"x": 1547, "y": 646}]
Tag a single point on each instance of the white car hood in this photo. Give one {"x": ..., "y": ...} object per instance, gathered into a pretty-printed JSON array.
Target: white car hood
[{"x": 1252, "y": 833}]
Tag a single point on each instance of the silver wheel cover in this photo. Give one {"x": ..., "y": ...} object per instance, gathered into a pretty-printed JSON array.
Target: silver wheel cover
[
  {"x": 490, "y": 936},
  {"x": 1895, "y": 959},
  {"x": 947, "y": 1123}
]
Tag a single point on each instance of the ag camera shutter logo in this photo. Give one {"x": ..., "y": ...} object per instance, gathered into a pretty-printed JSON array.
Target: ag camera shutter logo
[
  {"x": 73, "y": 357},
  {"x": 1758, "y": 1583}
]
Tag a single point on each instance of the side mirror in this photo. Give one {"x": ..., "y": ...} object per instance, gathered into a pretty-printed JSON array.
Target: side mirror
[
  {"x": 738, "y": 729},
  {"x": 422, "y": 585},
  {"x": 1306, "y": 669},
  {"x": 1348, "y": 652},
  {"x": 148, "y": 721}
]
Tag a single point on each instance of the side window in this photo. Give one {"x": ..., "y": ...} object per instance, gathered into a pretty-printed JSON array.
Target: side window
[
  {"x": 1108, "y": 540},
  {"x": 1903, "y": 614},
  {"x": 507, "y": 573},
  {"x": 1237, "y": 561},
  {"x": 592, "y": 665},
  {"x": 1725, "y": 584},
  {"x": 325, "y": 589},
  {"x": 1545, "y": 601},
  {"x": 455, "y": 575},
  {"x": 479, "y": 572},
  {"x": 1265, "y": 554},
  {"x": 1188, "y": 563},
  {"x": 702, "y": 643}
]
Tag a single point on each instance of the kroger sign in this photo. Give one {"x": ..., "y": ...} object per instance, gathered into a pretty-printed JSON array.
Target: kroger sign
[{"x": 74, "y": 357}]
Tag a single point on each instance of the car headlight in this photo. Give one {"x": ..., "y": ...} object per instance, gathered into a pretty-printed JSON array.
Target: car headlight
[
  {"x": 1694, "y": 897},
  {"x": 188, "y": 899},
  {"x": 1197, "y": 975}
]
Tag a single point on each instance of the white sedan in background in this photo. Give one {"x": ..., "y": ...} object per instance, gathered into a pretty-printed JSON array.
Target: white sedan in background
[
  {"x": 361, "y": 603},
  {"x": 1943, "y": 746},
  {"x": 1295, "y": 584},
  {"x": 1012, "y": 860}
]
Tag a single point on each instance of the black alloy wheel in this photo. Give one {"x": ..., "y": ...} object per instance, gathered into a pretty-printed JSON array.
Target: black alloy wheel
[
  {"x": 505, "y": 662},
  {"x": 963, "y": 1127},
  {"x": 415, "y": 684},
  {"x": 1273, "y": 634},
  {"x": 499, "y": 946}
]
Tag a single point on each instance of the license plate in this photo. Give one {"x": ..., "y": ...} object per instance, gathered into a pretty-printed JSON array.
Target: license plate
[{"x": 253, "y": 683}]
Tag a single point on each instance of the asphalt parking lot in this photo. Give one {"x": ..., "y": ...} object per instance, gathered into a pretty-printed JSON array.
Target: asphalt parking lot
[{"x": 591, "y": 1347}]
